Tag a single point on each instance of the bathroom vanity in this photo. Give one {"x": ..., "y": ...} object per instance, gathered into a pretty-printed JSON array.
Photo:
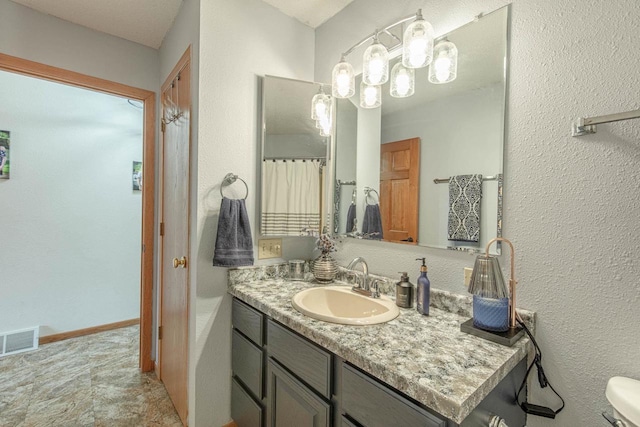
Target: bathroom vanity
[{"x": 289, "y": 369}]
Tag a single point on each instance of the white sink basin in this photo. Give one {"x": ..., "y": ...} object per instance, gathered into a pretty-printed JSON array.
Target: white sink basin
[{"x": 338, "y": 304}]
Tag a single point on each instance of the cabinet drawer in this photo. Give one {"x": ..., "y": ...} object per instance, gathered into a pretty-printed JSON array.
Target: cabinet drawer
[
  {"x": 246, "y": 363},
  {"x": 247, "y": 320},
  {"x": 309, "y": 362},
  {"x": 244, "y": 410},
  {"x": 373, "y": 404}
]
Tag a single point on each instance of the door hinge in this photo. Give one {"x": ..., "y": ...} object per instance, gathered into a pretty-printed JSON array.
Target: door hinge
[
  {"x": 162, "y": 228},
  {"x": 163, "y": 126},
  {"x": 159, "y": 332},
  {"x": 143, "y": 248}
]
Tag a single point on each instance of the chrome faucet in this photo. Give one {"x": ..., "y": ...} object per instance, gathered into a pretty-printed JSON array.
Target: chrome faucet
[{"x": 365, "y": 289}]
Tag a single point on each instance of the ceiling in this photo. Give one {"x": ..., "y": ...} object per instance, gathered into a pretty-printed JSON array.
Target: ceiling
[
  {"x": 147, "y": 21},
  {"x": 310, "y": 12}
]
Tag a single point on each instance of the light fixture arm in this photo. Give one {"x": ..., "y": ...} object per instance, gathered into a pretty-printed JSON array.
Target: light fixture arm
[
  {"x": 512, "y": 280},
  {"x": 376, "y": 32}
]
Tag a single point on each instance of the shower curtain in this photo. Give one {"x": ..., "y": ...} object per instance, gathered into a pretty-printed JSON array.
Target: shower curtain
[{"x": 290, "y": 197}]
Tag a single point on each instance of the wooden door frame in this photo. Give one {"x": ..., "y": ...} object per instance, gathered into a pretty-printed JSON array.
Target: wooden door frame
[{"x": 59, "y": 75}]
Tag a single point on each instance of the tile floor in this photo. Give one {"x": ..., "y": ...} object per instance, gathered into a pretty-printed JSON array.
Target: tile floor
[{"x": 86, "y": 381}]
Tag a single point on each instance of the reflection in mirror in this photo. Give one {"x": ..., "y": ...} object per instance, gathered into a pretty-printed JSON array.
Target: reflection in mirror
[
  {"x": 436, "y": 157},
  {"x": 293, "y": 160}
]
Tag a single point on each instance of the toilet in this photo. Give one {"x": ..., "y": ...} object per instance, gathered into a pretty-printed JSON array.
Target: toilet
[{"x": 624, "y": 396}]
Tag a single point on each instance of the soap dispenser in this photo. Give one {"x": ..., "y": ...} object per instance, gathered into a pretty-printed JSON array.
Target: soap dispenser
[
  {"x": 404, "y": 292},
  {"x": 423, "y": 294}
]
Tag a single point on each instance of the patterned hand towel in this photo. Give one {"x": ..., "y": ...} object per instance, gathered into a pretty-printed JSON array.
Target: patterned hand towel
[
  {"x": 234, "y": 244},
  {"x": 372, "y": 222},
  {"x": 465, "y": 194},
  {"x": 351, "y": 218}
]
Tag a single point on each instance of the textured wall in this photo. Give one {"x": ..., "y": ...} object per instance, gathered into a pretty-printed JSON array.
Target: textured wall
[
  {"x": 571, "y": 205},
  {"x": 43, "y": 38},
  {"x": 239, "y": 41}
]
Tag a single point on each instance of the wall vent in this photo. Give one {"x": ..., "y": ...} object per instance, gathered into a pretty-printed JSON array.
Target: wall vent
[{"x": 18, "y": 341}]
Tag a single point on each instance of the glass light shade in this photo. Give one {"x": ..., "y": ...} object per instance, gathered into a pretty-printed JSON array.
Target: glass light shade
[
  {"x": 370, "y": 96},
  {"x": 417, "y": 44},
  {"x": 320, "y": 106},
  {"x": 325, "y": 125},
  {"x": 444, "y": 67},
  {"x": 487, "y": 280},
  {"x": 375, "y": 64},
  {"x": 403, "y": 81},
  {"x": 343, "y": 80}
]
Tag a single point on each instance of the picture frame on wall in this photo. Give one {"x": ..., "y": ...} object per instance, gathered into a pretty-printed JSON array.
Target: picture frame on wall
[
  {"x": 5, "y": 145},
  {"x": 137, "y": 176}
]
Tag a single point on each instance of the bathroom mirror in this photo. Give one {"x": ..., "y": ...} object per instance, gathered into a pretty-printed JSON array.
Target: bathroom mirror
[
  {"x": 294, "y": 153},
  {"x": 402, "y": 155}
]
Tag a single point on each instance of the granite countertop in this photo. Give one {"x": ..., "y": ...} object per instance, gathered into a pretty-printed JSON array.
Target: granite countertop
[{"x": 425, "y": 357}]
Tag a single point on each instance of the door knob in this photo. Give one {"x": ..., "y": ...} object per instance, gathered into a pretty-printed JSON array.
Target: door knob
[{"x": 182, "y": 262}]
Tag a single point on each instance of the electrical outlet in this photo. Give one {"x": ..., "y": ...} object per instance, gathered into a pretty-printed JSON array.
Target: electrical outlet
[
  {"x": 467, "y": 275},
  {"x": 269, "y": 248}
]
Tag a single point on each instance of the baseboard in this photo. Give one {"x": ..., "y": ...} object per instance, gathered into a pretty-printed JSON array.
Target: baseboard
[
  {"x": 87, "y": 331},
  {"x": 231, "y": 424}
]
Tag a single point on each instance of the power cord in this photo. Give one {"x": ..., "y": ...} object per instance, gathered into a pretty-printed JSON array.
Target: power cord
[{"x": 530, "y": 408}]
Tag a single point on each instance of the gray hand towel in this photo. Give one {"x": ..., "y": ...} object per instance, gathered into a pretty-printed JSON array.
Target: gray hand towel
[
  {"x": 372, "y": 222},
  {"x": 234, "y": 244},
  {"x": 465, "y": 194},
  {"x": 351, "y": 217}
]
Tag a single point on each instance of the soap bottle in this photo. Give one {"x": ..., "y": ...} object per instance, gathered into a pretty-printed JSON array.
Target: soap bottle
[
  {"x": 404, "y": 292},
  {"x": 423, "y": 294}
]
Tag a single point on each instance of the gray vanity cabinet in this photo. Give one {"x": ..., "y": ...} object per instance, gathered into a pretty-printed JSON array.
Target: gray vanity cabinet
[
  {"x": 291, "y": 403},
  {"x": 247, "y": 365},
  {"x": 374, "y": 404},
  {"x": 282, "y": 379}
]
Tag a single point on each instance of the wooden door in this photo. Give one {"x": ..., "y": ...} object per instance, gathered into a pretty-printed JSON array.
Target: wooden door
[
  {"x": 399, "y": 190},
  {"x": 174, "y": 295}
]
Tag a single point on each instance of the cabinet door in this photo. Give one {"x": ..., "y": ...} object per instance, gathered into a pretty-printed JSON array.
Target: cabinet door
[{"x": 290, "y": 403}]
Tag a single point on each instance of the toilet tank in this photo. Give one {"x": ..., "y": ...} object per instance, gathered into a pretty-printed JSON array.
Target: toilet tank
[{"x": 624, "y": 395}]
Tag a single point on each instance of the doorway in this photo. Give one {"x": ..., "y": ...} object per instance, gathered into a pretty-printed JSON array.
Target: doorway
[{"x": 147, "y": 100}]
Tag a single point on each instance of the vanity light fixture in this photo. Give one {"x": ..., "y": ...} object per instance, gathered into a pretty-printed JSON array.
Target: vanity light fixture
[
  {"x": 370, "y": 95},
  {"x": 403, "y": 81},
  {"x": 320, "y": 105},
  {"x": 417, "y": 52},
  {"x": 417, "y": 43},
  {"x": 444, "y": 67},
  {"x": 343, "y": 80},
  {"x": 375, "y": 63}
]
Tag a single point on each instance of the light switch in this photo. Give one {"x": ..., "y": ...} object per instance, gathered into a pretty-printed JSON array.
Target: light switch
[
  {"x": 269, "y": 248},
  {"x": 467, "y": 276}
]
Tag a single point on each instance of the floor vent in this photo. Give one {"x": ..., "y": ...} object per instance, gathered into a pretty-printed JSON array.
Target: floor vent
[{"x": 19, "y": 341}]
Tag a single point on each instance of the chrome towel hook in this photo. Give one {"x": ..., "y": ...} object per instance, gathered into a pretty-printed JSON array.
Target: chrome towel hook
[
  {"x": 229, "y": 179},
  {"x": 367, "y": 194}
]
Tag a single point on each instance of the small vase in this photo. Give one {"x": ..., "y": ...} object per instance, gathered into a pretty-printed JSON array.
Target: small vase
[{"x": 325, "y": 268}]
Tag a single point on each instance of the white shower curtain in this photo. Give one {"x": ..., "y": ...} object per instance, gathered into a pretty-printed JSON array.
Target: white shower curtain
[{"x": 290, "y": 197}]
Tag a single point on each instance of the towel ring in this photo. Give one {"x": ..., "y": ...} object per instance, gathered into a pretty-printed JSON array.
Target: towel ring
[
  {"x": 367, "y": 194},
  {"x": 229, "y": 179}
]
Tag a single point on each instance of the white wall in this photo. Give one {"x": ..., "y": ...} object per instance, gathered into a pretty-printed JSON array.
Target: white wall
[
  {"x": 71, "y": 222},
  {"x": 240, "y": 41},
  {"x": 460, "y": 134},
  {"x": 571, "y": 205},
  {"x": 368, "y": 159},
  {"x": 35, "y": 36}
]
